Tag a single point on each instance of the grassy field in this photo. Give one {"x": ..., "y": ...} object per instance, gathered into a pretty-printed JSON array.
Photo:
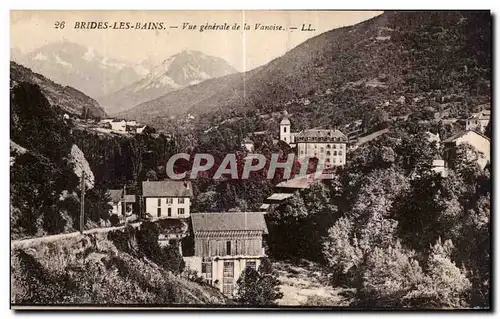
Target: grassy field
[{"x": 307, "y": 284}]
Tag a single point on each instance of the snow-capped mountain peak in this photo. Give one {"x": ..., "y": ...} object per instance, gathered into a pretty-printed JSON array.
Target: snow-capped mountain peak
[{"x": 185, "y": 68}]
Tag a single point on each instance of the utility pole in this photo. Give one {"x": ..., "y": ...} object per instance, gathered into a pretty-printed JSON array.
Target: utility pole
[
  {"x": 82, "y": 203},
  {"x": 124, "y": 204}
]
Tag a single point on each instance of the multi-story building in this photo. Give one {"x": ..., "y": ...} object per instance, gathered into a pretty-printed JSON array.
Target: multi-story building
[
  {"x": 225, "y": 244},
  {"x": 167, "y": 199},
  {"x": 328, "y": 146}
]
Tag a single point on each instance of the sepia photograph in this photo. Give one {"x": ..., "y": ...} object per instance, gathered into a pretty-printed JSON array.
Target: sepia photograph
[{"x": 244, "y": 159}]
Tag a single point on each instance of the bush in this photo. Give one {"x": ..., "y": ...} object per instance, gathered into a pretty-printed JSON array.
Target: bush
[
  {"x": 114, "y": 220},
  {"x": 258, "y": 287}
]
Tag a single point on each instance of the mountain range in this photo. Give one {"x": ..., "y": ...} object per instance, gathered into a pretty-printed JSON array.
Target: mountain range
[
  {"x": 66, "y": 97},
  {"x": 120, "y": 85},
  {"x": 398, "y": 61},
  {"x": 82, "y": 67},
  {"x": 178, "y": 71}
]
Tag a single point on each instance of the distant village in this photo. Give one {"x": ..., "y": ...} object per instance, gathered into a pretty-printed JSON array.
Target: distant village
[
  {"x": 109, "y": 125},
  {"x": 225, "y": 243}
]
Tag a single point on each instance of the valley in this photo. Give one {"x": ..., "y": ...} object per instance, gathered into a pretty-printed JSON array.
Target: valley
[{"x": 397, "y": 107}]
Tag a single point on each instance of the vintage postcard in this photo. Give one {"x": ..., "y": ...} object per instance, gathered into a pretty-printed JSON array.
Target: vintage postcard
[{"x": 250, "y": 159}]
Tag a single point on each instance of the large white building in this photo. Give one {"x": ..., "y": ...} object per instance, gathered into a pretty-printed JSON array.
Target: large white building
[
  {"x": 167, "y": 199},
  {"x": 328, "y": 146}
]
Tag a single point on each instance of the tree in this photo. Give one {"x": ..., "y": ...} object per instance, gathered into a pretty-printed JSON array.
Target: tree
[
  {"x": 257, "y": 288},
  {"x": 151, "y": 176}
]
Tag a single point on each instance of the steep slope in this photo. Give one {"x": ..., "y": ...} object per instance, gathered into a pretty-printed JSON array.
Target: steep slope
[
  {"x": 398, "y": 61},
  {"x": 178, "y": 71},
  {"x": 94, "y": 269},
  {"x": 68, "y": 98},
  {"x": 82, "y": 67}
]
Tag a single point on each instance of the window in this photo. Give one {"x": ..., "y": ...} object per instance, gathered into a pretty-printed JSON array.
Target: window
[
  {"x": 158, "y": 211},
  {"x": 252, "y": 264},
  {"x": 328, "y": 160},
  {"x": 228, "y": 278},
  {"x": 206, "y": 270},
  {"x": 334, "y": 145},
  {"x": 301, "y": 152},
  {"x": 335, "y": 153},
  {"x": 181, "y": 200},
  {"x": 180, "y": 211},
  {"x": 159, "y": 201},
  {"x": 322, "y": 150},
  {"x": 334, "y": 161},
  {"x": 169, "y": 200},
  {"x": 340, "y": 152},
  {"x": 328, "y": 153},
  {"x": 228, "y": 247},
  {"x": 284, "y": 130}
]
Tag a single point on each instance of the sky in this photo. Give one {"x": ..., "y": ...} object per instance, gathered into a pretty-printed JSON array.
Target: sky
[{"x": 243, "y": 49}]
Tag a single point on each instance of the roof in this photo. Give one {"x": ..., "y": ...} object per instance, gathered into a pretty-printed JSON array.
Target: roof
[
  {"x": 484, "y": 114},
  {"x": 259, "y": 133},
  {"x": 316, "y": 135},
  {"x": 279, "y": 196},
  {"x": 285, "y": 121},
  {"x": 167, "y": 188},
  {"x": 115, "y": 195},
  {"x": 453, "y": 138},
  {"x": 129, "y": 198},
  {"x": 371, "y": 137},
  {"x": 229, "y": 221},
  {"x": 300, "y": 182},
  {"x": 264, "y": 206}
]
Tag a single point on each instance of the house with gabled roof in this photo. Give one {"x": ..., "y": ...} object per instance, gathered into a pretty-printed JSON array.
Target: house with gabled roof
[
  {"x": 167, "y": 199},
  {"x": 118, "y": 125},
  {"x": 225, "y": 244},
  {"x": 121, "y": 204},
  {"x": 478, "y": 141},
  {"x": 478, "y": 121}
]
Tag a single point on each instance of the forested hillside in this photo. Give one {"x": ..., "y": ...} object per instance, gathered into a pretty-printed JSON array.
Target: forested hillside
[
  {"x": 67, "y": 98},
  {"x": 398, "y": 62},
  {"x": 393, "y": 230}
]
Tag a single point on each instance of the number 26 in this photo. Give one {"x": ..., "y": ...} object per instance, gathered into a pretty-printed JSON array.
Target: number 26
[{"x": 59, "y": 25}]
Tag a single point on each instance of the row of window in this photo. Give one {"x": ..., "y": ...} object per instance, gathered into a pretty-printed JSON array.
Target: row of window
[
  {"x": 206, "y": 268},
  {"x": 334, "y": 146},
  {"x": 335, "y": 153},
  {"x": 170, "y": 200},
  {"x": 180, "y": 211},
  {"x": 322, "y": 139}
]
